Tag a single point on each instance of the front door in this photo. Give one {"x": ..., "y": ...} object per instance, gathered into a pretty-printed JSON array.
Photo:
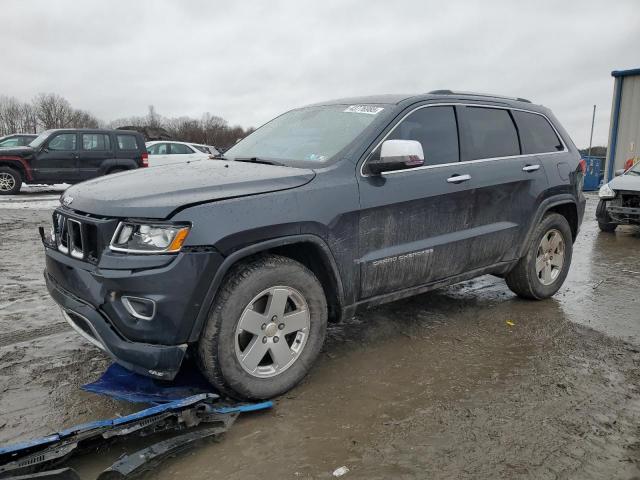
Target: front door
[
  {"x": 416, "y": 225},
  {"x": 57, "y": 162}
]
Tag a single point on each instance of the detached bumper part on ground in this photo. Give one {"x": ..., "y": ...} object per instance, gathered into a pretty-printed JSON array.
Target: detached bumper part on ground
[{"x": 41, "y": 458}]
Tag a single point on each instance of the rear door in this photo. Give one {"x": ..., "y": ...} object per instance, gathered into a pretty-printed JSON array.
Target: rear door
[
  {"x": 57, "y": 162},
  {"x": 95, "y": 150},
  {"x": 415, "y": 224},
  {"x": 507, "y": 182}
]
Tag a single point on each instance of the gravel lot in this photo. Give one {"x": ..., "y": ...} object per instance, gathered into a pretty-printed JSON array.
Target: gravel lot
[{"x": 438, "y": 386}]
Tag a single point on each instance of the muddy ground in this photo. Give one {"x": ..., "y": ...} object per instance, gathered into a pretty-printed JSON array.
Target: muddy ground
[{"x": 438, "y": 386}]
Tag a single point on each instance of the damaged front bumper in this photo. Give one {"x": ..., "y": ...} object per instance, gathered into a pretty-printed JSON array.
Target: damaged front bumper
[
  {"x": 160, "y": 361},
  {"x": 95, "y": 299}
]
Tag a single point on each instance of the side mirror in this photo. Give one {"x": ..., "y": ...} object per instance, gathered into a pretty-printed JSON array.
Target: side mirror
[
  {"x": 397, "y": 155},
  {"x": 620, "y": 172}
]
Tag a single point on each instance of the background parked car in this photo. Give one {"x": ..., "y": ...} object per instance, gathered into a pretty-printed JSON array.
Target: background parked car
[
  {"x": 166, "y": 153},
  {"x": 620, "y": 200},
  {"x": 17, "y": 140},
  {"x": 70, "y": 156}
]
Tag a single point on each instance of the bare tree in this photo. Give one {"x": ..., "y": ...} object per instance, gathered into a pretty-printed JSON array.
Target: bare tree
[
  {"x": 53, "y": 111},
  {"x": 16, "y": 116}
]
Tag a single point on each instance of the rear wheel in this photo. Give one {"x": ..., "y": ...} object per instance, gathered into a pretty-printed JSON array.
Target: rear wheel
[
  {"x": 265, "y": 329},
  {"x": 542, "y": 271},
  {"x": 10, "y": 181}
]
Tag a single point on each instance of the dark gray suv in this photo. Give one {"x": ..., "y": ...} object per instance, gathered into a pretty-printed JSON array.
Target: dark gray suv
[{"x": 321, "y": 212}]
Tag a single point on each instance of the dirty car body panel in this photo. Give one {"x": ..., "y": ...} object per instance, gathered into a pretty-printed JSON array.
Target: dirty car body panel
[{"x": 376, "y": 237}]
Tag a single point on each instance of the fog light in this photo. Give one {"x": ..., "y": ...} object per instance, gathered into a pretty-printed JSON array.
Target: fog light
[{"x": 141, "y": 308}]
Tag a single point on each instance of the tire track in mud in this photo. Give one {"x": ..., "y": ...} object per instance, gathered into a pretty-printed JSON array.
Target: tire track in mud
[{"x": 26, "y": 335}]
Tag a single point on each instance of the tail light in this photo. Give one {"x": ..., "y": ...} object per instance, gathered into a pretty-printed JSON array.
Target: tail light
[
  {"x": 583, "y": 166},
  {"x": 145, "y": 159}
]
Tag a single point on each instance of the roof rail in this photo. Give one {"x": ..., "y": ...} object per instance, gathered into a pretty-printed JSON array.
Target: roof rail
[{"x": 476, "y": 94}]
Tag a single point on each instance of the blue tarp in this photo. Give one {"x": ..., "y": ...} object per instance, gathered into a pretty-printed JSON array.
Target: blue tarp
[{"x": 119, "y": 383}]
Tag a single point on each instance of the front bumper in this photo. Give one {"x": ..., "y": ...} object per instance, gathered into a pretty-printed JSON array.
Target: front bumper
[
  {"x": 614, "y": 211},
  {"x": 160, "y": 361},
  {"x": 92, "y": 300}
]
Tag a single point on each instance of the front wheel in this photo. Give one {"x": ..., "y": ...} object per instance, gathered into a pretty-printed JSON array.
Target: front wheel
[
  {"x": 542, "y": 271},
  {"x": 605, "y": 223},
  {"x": 265, "y": 330},
  {"x": 10, "y": 181}
]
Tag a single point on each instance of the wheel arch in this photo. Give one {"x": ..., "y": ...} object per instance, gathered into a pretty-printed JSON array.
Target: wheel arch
[
  {"x": 18, "y": 166},
  {"x": 310, "y": 250},
  {"x": 564, "y": 205}
]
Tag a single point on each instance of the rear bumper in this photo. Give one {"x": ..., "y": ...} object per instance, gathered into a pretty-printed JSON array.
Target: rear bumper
[{"x": 159, "y": 361}]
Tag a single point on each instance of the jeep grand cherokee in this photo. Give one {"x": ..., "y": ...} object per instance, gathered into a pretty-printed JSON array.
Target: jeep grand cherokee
[{"x": 323, "y": 211}]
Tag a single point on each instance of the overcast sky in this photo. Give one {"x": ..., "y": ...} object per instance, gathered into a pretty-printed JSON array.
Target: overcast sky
[{"x": 247, "y": 61}]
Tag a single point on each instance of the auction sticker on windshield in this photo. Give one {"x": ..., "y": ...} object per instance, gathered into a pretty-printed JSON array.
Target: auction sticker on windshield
[{"x": 368, "y": 109}]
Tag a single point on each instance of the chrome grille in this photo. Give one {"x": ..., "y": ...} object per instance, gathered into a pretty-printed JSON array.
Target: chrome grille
[{"x": 75, "y": 237}]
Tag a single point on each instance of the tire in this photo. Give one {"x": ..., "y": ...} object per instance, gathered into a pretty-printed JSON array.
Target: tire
[
  {"x": 607, "y": 227},
  {"x": 604, "y": 220},
  {"x": 525, "y": 279},
  {"x": 10, "y": 181},
  {"x": 116, "y": 170},
  {"x": 225, "y": 346}
]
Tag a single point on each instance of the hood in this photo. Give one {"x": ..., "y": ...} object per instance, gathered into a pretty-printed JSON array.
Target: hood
[
  {"x": 626, "y": 182},
  {"x": 16, "y": 151},
  {"x": 157, "y": 191}
]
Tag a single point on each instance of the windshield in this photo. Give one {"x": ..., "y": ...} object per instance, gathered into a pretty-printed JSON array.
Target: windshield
[
  {"x": 310, "y": 135},
  {"x": 39, "y": 140}
]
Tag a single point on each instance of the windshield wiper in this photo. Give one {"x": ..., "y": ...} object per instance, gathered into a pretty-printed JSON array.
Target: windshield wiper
[{"x": 259, "y": 160}]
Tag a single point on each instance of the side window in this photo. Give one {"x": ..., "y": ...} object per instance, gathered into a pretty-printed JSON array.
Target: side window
[
  {"x": 63, "y": 142},
  {"x": 95, "y": 141},
  {"x": 437, "y": 131},
  {"x": 25, "y": 141},
  {"x": 536, "y": 135},
  {"x": 161, "y": 149},
  {"x": 179, "y": 149},
  {"x": 202, "y": 148},
  {"x": 127, "y": 142},
  {"x": 491, "y": 133},
  {"x": 9, "y": 142}
]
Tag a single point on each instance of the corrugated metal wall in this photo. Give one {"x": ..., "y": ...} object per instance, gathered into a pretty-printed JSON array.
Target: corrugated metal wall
[{"x": 627, "y": 142}]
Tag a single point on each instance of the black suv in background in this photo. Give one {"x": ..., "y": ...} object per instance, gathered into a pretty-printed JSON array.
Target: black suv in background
[
  {"x": 70, "y": 156},
  {"x": 321, "y": 212}
]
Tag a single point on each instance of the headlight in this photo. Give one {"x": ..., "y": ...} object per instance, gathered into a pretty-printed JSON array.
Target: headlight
[
  {"x": 606, "y": 192},
  {"x": 134, "y": 237}
]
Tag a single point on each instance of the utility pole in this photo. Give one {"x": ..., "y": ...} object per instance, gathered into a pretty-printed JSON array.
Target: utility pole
[{"x": 593, "y": 119}]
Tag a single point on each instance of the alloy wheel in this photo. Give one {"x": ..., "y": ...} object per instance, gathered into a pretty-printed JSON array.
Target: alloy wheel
[
  {"x": 7, "y": 182},
  {"x": 272, "y": 331},
  {"x": 550, "y": 257}
]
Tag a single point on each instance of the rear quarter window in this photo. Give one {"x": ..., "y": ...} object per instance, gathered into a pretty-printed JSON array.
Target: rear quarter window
[
  {"x": 491, "y": 133},
  {"x": 536, "y": 134},
  {"x": 127, "y": 142}
]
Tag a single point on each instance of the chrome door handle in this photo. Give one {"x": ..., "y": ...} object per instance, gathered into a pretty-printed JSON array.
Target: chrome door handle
[
  {"x": 530, "y": 168},
  {"x": 459, "y": 178}
]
